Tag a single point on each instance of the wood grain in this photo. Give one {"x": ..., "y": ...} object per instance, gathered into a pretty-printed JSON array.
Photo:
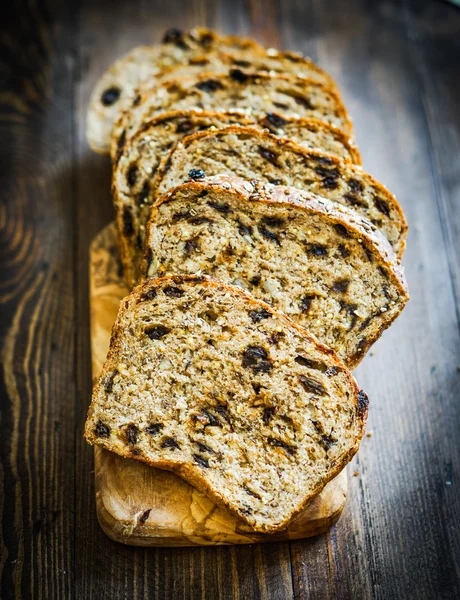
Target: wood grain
[
  {"x": 398, "y": 66},
  {"x": 37, "y": 383}
]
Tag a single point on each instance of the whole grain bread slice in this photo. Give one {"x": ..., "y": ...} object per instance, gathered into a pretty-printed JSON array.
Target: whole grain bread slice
[
  {"x": 323, "y": 265},
  {"x": 267, "y": 61},
  {"x": 252, "y": 94},
  {"x": 195, "y": 383},
  {"x": 140, "y": 158},
  {"x": 253, "y": 154},
  {"x": 116, "y": 86}
]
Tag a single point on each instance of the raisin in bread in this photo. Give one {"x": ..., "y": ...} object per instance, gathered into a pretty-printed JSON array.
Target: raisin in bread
[
  {"x": 117, "y": 85},
  {"x": 248, "y": 93},
  {"x": 205, "y": 381},
  {"x": 323, "y": 265},
  {"x": 140, "y": 158},
  {"x": 254, "y": 154}
]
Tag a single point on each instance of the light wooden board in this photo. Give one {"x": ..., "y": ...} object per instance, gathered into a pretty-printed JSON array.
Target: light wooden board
[{"x": 142, "y": 506}]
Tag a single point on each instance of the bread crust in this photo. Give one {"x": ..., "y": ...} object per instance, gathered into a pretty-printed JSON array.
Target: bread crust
[
  {"x": 192, "y": 473},
  {"x": 305, "y": 154},
  {"x": 268, "y": 194},
  {"x": 339, "y": 134}
]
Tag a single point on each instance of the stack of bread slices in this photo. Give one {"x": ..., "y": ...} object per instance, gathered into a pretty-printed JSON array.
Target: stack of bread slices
[{"x": 264, "y": 263}]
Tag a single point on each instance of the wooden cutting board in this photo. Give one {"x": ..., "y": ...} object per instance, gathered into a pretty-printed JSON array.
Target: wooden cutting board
[{"x": 143, "y": 506}]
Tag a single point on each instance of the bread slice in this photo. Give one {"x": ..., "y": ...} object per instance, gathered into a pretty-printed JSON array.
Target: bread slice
[
  {"x": 140, "y": 158},
  {"x": 203, "y": 380},
  {"x": 267, "y": 61},
  {"x": 254, "y": 154},
  {"x": 327, "y": 268},
  {"x": 236, "y": 91},
  {"x": 116, "y": 87}
]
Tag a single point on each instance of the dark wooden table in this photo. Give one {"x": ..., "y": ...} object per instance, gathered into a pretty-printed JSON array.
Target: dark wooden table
[{"x": 398, "y": 64}]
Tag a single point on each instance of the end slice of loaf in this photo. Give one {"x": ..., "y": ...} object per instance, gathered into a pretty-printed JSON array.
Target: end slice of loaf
[
  {"x": 116, "y": 86},
  {"x": 324, "y": 266},
  {"x": 253, "y": 154},
  {"x": 205, "y": 381},
  {"x": 137, "y": 164},
  {"x": 248, "y": 93}
]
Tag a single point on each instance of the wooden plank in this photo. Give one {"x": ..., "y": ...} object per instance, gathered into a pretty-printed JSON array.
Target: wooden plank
[
  {"x": 434, "y": 30},
  {"x": 435, "y": 34},
  {"x": 136, "y": 572},
  {"x": 37, "y": 302},
  {"x": 393, "y": 539}
]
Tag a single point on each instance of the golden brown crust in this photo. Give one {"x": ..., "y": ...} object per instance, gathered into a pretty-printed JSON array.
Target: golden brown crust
[
  {"x": 312, "y": 124},
  {"x": 192, "y": 475},
  {"x": 263, "y": 121},
  {"x": 189, "y": 472}
]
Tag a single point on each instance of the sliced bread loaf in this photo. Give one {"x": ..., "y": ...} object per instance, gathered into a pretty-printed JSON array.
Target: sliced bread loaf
[
  {"x": 254, "y": 154},
  {"x": 321, "y": 264},
  {"x": 248, "y": 93},
  {"x": 138, "y": 162},
  {"x": 116, "y": 87},
  {"x": 203, "y": 380}
]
